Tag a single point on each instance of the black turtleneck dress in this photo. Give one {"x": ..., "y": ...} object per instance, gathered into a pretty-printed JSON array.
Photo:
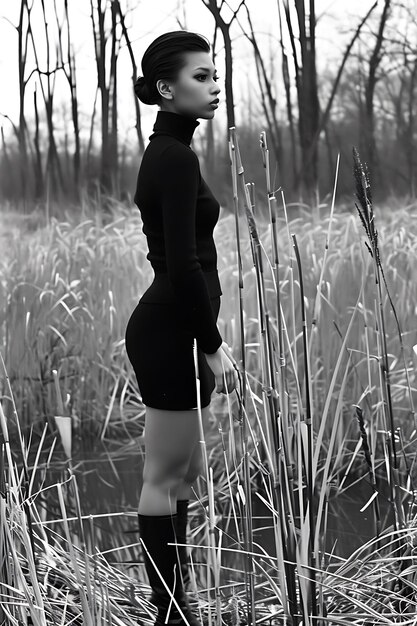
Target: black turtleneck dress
[{"x": 179, "y": 214}]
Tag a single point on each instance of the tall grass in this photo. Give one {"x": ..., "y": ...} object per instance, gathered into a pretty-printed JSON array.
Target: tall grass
[
  {"x": 302, "y": 309},
  {"x": 301, "y": 468},
  {"x": 65, "y": 297},
  {"x": 47, "y": 577},
  {"x": 68, "y": 289}
]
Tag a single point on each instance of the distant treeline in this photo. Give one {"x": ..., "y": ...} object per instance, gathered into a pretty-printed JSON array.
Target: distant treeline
[{"x": 366, "y": 100}]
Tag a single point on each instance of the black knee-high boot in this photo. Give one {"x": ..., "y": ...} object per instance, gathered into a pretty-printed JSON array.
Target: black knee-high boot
[
  {"x": 182, "y": 520},
  {"x": 156, "y": 532}
]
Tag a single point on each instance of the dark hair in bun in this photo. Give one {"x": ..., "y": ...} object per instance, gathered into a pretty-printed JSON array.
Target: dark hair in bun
[
  {"x": 163, "y": 59},
  {"x": 142, "y": 91}
]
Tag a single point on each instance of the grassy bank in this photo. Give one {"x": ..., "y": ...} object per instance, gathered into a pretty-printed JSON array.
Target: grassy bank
[
  {"x": 314, "y": 418},
  {"x": 68, "y": 289}
]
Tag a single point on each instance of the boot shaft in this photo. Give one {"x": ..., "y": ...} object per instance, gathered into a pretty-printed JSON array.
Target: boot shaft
[
  {"x": 182, "y": 521},
  {"x": 163, "y": 567},
  {"x": 158, "y": 534}
]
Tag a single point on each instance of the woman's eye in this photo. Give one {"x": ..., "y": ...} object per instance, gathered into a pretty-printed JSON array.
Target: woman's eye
[{"x": 202, "y": 77}]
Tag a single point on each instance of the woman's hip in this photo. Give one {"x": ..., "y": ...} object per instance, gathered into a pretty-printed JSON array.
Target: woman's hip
[{"x": 160, "y": 326}]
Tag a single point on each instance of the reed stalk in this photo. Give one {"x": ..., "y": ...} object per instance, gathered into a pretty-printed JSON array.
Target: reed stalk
[
  {"x": 365, "y": 210},
  {"x": 308, "y": 449},
  {"x": 286, "y": 465},
  {"x": 213, "y": 564},
  {"x": 247, "y": 508},
  {"x": 280, "y": 480}
]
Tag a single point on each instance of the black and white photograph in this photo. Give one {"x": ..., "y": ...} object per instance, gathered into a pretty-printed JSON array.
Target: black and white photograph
[{"x": 208, "y": 312}]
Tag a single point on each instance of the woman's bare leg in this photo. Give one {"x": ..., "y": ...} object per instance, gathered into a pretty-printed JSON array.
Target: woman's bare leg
[
  {"x": 195, "y": 464},
  {"x": 171, "y": 438}
]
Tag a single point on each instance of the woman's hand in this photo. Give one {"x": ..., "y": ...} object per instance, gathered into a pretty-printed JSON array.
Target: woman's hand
[{"x": 223, "y": 365}]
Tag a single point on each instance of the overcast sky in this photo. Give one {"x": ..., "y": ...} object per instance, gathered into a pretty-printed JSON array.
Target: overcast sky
[{"x": 151, "y": 18}]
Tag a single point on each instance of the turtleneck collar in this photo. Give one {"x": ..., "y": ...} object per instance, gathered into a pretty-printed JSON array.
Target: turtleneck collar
[{"x": 179, "y": 126}]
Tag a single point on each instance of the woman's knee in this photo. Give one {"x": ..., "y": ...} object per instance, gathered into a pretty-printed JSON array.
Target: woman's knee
[{"x": 164, "y": 475}]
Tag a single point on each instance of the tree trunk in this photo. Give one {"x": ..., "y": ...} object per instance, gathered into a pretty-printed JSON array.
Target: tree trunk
[
  {"x": 210, "y": 151},
  {"x": 307, "y": 95},
  {"x": 22, "y": 56},
  {"x": 100, "y": 54},
  {"x": 269, "y": 103},
  {"x": 224, "y": 27},
  {"x": 368, "y": 131},
  {"x": 324, "y": 118},
  {"x": 72, "y": 81},
  {"x": 308, "y": 102},
  {"x": 108, "y": 91},
  {"x": 113, "y": 144},
  {"x": 410, "y": 150},
  {"x": 134, "y": 78},
  {"x": 288, "y": 100},
  {"x": 39, "y": 180}
]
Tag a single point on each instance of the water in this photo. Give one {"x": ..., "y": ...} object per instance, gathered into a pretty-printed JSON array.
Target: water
[{"x": 109, "y": 484}]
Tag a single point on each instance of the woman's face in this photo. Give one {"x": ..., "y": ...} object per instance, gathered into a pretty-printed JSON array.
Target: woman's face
[{"x": 195, "y": 88}]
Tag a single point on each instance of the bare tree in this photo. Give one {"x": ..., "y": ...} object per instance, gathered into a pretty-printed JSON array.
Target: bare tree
[
  {"x": 385, "y": 70},
  {"x": 107, "y": 87},
  {"x": 368, "y": 119},
  {"x": 410, "y": 128},
  {"x": 210, "y": 151},
  {"x": 397, "y": 91},
  {"x": 268, "y": 100},
  {"x": 325, "y": 114},
  {"x": 224, "y": 28},
  {"x": 304, "y": 63},
  {"x": 37, "y": 162},
  {"x": 288, "y": 99},
  {"x": 53, "y": 165},
  {"x": 134, "y": 76},
  {"x": 311, "y": 122},
  {"x": 67, "y": 59},
  {"x": 23, "y": 34},
  {"x": 113, "y": 142}
]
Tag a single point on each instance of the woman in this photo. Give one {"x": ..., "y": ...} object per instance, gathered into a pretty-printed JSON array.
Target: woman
[{"x": 179, "y": 213}]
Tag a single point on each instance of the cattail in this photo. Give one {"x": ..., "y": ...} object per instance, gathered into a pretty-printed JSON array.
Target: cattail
[{"x": 365, "y": 210}]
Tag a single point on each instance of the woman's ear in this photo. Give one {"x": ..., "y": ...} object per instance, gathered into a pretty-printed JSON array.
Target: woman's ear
[{"x": 164, "y": 89}]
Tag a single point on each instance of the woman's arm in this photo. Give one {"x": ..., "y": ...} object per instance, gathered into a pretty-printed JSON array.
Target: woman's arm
[{"x": 180, "y": 179}]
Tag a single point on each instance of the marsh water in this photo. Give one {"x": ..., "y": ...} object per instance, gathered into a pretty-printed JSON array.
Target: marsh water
[{"x": 108, "y": 482}]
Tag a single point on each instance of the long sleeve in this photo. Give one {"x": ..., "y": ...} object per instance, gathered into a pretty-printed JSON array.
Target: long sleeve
[{"x": 180, "y": 177}]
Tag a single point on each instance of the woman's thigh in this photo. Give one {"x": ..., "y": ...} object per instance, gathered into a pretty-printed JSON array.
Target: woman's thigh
[{"x": 170, "y": 440}]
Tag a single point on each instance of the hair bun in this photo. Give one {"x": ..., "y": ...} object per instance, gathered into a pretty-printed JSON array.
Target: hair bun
[
  {"x": 142, "y": 91},
  {"x": 141, "y": 88}
]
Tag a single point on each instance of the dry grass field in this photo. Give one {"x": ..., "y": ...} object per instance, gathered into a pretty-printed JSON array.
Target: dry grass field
[{"x": 67, "y": 289}]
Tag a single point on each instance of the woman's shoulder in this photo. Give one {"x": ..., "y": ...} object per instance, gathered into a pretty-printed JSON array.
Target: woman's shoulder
[
  {"x": 175, "y": 149},
  {"x": 166, "y": 156},
  {"x": 179, "y": 156}
]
